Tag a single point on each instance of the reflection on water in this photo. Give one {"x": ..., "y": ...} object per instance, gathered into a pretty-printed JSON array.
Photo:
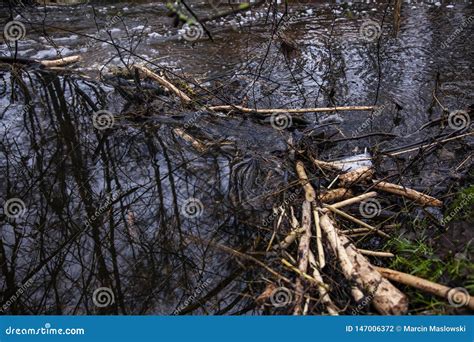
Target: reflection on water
[{"x": 125, "y": 204}]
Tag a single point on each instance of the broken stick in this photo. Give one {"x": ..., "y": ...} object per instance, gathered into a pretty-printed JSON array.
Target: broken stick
[
  {"x": 455, "y": 296},
  {"x": 164, "y": 82},
  {"x": 303, "y": 177},
  {"x": 411, "y": 194},
  {"x": 289, "y": 110}
]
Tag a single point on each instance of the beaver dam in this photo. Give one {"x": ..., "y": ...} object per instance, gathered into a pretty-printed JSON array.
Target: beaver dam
[{"x": 230, "y": 158}]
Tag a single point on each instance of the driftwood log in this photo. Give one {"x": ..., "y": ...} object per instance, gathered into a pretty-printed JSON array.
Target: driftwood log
[{"x": 386, "y": 298}]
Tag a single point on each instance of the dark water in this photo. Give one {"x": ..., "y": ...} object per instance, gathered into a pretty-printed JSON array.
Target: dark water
[{"x": 134, "y": 208}]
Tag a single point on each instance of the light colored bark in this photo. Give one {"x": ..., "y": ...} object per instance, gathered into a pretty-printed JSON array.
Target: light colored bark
[
  {"x": 360, "y": 175},
  {"x": 164, "y": 82},
  {"x": 335, "y": 195},
  {"x": 60, "y": 62},
  {"x": 456, "y": 296},
  {"x": 290, "y": 110},
  {"x": 411, "y": 194},
  {"x": 346, "y": 265},
  {"x": 310, "y": 194},
  {"x": 387, "y": 299}
]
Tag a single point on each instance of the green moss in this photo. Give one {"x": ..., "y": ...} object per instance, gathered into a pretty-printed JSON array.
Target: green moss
[
  {"x": 415, "y": 257},
  {"x": 419, "y": 258}
]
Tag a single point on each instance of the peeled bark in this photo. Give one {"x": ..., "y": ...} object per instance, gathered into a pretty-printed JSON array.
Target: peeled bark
[
  {"x": 456, "y": 296},
  {"x": 303, "y": 254},
  {"x": 360, "y": 175},
  {"x": 305, "y": 183},
  {"x": 387, "y": 299},
  {"x": 337, "y": 246},
  {"x": 335, "y": 195},
  {"x": 414, "y": 195}
]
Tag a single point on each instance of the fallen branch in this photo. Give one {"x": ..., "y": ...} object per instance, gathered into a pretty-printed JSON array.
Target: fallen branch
[
  {"x": 322, "y": 288},
  {"x": 387, "y": 299},
  {"x": 46, "y": 63},
  {"x": 319, "y": 238},
  {"x": 354, "y": 200},
  {"x": 198, "y": 145},
  {"x": 356, "y": 220},
  {"x": 60, "y": 62},
  {"x": 164, "y": 82},
  {"x": 289, "y": 110},
  {"x": 304, "y": 181},
  {"x": 332, "y": 166},
  {"x": 337, "y": 246},
  {"x": 335, "y": 195},
  {"x": 411, "y": 194},
  {"x": 360, "y": 175},
  {"x": 375, "y": 253},
  {"x": 303, "y": 252},
  {"x": 455, "y": 296},
  {"x": 289, "y": 239}
]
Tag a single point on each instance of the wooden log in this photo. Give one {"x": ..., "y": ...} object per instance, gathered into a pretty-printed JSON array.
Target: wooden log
[
  {"x": 38, "y": 62},
  {"x": 290, "y": 110},
  {"x": 322, "y": 288},
  {"x": 319, "y": 238},
  {"x": 360, "y": 175},
  {"x": 337, "y": 246},
  {"x": 456, "y": 296},
  {"x": 326, "y": 165},
  {"x": 387, "y": 299},
  {"x": 411, "y": 194},
  {"x": 310, "y": 194},
  {"x": 60, "y": 62},
  {"x": 335, "y": 195},
  {"x": 303, "y": 252}
]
